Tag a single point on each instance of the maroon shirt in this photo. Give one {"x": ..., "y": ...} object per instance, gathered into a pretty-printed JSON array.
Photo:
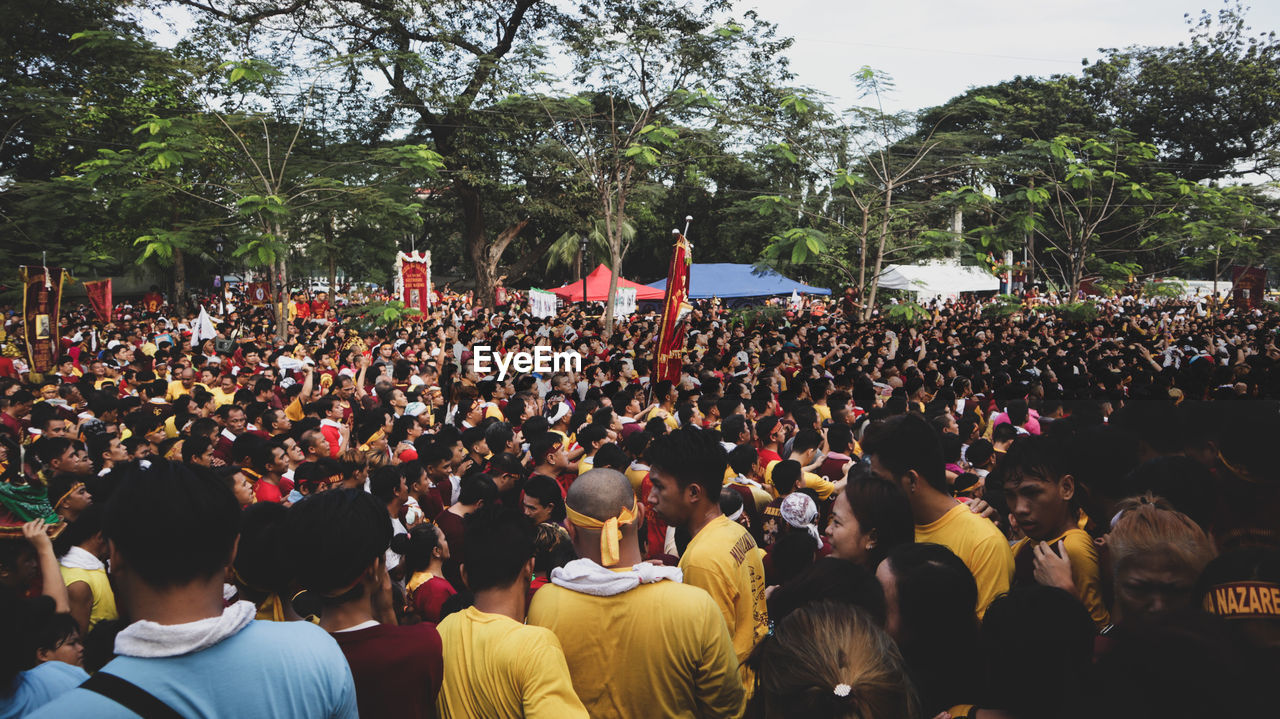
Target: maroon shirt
[
  {"x": 452, "y": 526},
  {"x": 397, "y": 670}
]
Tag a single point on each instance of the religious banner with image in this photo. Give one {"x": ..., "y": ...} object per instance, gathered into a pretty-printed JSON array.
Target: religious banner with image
[
  {"x": 413, "y": 279},
  {"x": 41, "y": 302},
  {"x": 624, "y": 303},
  {"x": 1248, "y": 286}
]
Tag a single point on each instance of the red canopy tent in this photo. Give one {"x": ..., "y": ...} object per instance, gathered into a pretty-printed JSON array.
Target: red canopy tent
[{"x": 598, "y": 288}]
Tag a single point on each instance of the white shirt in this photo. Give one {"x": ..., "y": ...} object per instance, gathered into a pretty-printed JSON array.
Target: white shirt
[{"x": 393, "y": 558}]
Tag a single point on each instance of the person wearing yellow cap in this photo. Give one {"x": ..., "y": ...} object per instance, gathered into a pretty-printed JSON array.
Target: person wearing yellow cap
[
  {"x": 672, "y": 648},
  {"x": 687, "y": 473}
]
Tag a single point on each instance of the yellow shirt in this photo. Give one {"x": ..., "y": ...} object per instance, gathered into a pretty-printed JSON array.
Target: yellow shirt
[
  {"x": 294, "y": 410},
  {"x": 223, "y": 398},
  {"x": 979, "y": 544},
  {"x": 586, "y": 464},
  {"x": 668, "y": 648},
  {"x": 667, "y": 418},
  {"x": 721, "y": 561},
  {"x": 636, "y": 472},
  {"x": 176, "y": 389},
  {"x": 498, "y": 667},
  {"x": 808, "y": 480},
  {"x": 1083, "y": 556},
  {"x": 823, "y": 486},
  {"x": 491, "y": 409},
  {"x": 104, "y": 600},
  {"x": 823, "y": 411}
]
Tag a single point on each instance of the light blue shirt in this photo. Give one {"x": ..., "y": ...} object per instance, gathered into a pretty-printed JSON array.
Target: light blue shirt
[
  {"x": 40, "y": 685},
  {"x": 267, "y": 669}
]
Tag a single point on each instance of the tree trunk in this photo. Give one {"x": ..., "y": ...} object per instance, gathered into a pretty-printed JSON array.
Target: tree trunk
[
  {"x": 884, "y": 237},
  {"x": 615, "y": 266},
  {"x": 486, "y": 257},
  {"x": 1031, "y": 250},
  {"x": 478, "y": 250},
  {"x": 279, "y": 279},
  {"x": 862, "y": 266},
  {"x": 333, "y": 257},
  {"x": 179, "y": 281}
]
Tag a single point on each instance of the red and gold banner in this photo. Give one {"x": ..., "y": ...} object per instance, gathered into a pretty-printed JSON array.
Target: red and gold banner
[
  {"x": 100, "y": 298},
  {"x": 41, "y": 302},
  {"x": 258, "y": 293},
  {"x": 675, "y": 309},
  {"x": 414, "y": 280},
  {"x": 414, "y": 277},
  {"x": 1248, "y": 286}
]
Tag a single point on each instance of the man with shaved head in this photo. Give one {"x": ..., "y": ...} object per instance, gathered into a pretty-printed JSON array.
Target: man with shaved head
[{"x": 668, "y": 648}]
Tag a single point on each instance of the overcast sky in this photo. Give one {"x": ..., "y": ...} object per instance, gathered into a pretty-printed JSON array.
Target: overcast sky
[{"x": 936, "y": 49}]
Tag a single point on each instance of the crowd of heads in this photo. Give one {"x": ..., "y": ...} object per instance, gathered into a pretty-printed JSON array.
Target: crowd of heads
[{"x": 1122, "y": 471}]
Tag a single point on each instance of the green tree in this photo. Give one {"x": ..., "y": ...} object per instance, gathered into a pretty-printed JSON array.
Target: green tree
[
  {"x": 1210, "y": 104},
  {"x": 444, "y": 65},
  {"x": 653, "y": 68},
  {"x": 851, "y": 219},
  {"x": 1087, "y": 200},
  {"x": 257, "y": 175},
  {"x": 75, "y": 77}
]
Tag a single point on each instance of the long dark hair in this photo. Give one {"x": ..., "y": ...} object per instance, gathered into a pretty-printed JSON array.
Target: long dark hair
[
  {"x": 881, "y": 507},
  {"x": 937, "y": 598}
]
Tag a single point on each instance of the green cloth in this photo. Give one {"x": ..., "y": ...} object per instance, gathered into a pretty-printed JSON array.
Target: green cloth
[{"x": 27, "y": 503}]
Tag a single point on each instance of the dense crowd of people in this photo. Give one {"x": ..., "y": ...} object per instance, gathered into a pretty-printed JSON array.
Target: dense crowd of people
[{"x": 984, "y": 514}]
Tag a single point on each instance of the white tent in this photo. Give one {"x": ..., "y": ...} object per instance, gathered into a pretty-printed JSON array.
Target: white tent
[{"x": 938, "y": 279}]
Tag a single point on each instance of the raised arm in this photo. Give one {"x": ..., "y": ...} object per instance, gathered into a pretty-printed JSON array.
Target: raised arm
[{"x": 50, "y": 575}]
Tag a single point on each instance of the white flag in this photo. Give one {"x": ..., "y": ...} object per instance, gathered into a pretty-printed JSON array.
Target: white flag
[
  {"x": 204, "y": 328},
  {"x": 624, "y": 302}
]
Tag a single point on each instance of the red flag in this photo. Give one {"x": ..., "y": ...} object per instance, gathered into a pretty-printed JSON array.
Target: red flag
[
  {"x": 675, "y": 309},
  {"x": 41, "y": 303},
  {"x": 100, "y": 298}
]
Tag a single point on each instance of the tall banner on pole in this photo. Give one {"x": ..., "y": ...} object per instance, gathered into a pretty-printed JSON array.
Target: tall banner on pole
[
  {"x": 100, "y": 297},
  {"x": 413, "y": 279},
  {"x": 1248, "y": 286},
  {"x": 675, "y": 309},
  {"x": 41, "y": 302}
]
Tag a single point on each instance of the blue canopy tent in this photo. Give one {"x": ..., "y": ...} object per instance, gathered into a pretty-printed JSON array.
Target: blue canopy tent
[{"x": 739, "y": 284}]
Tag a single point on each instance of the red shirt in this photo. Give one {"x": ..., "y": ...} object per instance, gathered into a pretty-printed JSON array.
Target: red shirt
[
  {"x": 655, "y": 529},
  {"x": 397, "y": 669},
  {"x": 13, "y": 425},
  {"x": 268, "y": 492},
  {"x": 335, "y": 439},
  {"x": 430, "y": 596}
]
